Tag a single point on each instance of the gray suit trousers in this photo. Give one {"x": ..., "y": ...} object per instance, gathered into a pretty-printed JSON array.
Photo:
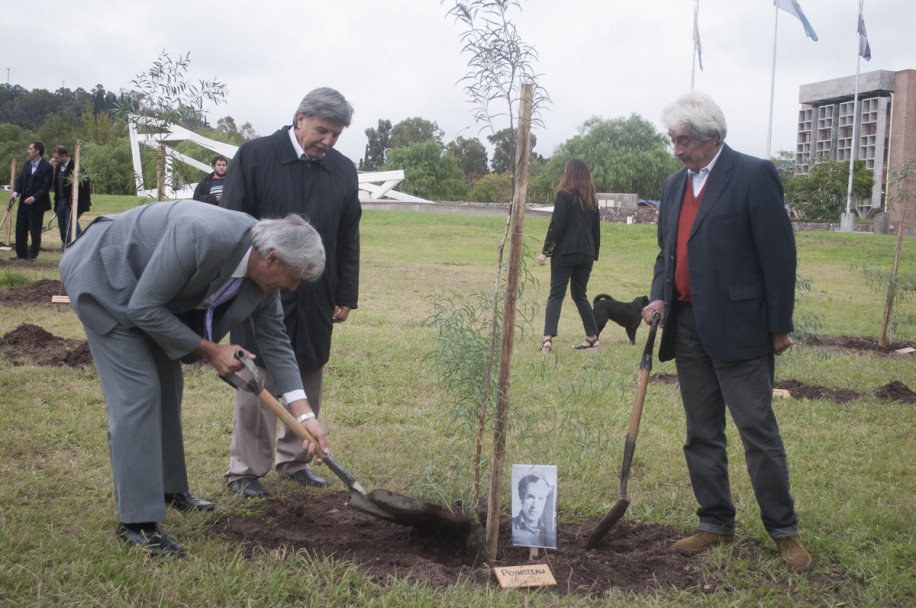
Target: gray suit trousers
[
  {"x": 142, "y": 389},
  {"x": 254, "y": 432}
]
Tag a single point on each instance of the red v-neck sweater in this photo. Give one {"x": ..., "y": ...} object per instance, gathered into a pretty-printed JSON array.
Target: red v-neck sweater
[{"x": 689, "y": 207}]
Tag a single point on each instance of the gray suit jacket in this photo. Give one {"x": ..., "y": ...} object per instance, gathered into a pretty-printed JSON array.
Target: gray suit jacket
[{"x": 147, "y": 267}]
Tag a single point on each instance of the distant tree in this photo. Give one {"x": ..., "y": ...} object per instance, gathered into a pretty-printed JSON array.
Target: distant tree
[
  {"x": 623, "y": 154},
  {"x": 227, "y": 131},
  {"x": 14, "y": 141},
  {"x": 820, "y": 195},
  {"x": 99, "y": 128},
  {"x": 414, "y": 131},
  {"x": 377, "y": 146},
  {"x": 504, "y": 150},
  {"x": 109, "y": 166},
  {"x": 540, "y": 190},
  {"x": 471, "y": 155},
  {"x": 163, "y": 96},
  {"x": 429, "y": 172},
  {"x": 59, "y": 130},
  {"x": 492, "y": 188}
]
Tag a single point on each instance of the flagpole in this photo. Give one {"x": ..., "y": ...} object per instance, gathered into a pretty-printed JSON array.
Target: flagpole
[
  {"x": 693, "y": 62},
  {"x": 772, "y": 82},
  {"x": 849, "y": 224}
]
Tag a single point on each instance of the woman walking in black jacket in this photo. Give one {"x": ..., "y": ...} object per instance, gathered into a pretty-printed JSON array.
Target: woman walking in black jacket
[{"x": 572, "y": 243}]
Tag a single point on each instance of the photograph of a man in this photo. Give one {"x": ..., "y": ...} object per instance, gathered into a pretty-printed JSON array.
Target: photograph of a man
[{"x": 534, "y": 504}]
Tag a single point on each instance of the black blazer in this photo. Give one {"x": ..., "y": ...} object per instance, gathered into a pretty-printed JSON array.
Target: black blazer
[
  {"x": 63, "y": 189},
  {"x": 572, "y": 229},
  {"x": 37, "y": 185},
  {"x": 740, "y": 255}
]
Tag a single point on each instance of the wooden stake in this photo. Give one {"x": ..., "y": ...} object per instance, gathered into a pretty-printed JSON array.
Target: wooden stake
[
  {"x": 9, "y": 210},
  {"x": 507, "y": 341},
  {"x": 74, "y": 194},
  {"x": 891, "y": 288}
]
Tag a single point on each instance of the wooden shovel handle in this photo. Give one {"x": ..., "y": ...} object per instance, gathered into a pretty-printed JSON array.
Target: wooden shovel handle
[{"x": 283, "y": 414}]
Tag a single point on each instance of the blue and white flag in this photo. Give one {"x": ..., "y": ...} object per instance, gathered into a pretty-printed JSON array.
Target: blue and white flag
[
  {"x": 696, "y": 41},
  {"x": 792, "y": 7},
  {"x": 864, "y": 49}
]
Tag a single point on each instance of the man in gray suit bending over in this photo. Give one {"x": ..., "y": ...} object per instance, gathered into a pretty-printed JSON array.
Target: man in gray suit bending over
[{"x": 147, "y": 284}]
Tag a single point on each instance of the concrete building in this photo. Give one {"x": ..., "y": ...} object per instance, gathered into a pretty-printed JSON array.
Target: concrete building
[{"x": 885, "y": 128}]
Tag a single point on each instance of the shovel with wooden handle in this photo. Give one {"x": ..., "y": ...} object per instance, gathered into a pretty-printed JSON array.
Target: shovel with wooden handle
[
  {"x": 617, "y": 511},
  {"x": 383, "y": 504}
]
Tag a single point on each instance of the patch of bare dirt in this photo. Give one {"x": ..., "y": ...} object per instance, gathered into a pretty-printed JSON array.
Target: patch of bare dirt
[
  {"x": 857, "y": 345},
  {"x": 633, "y": 556},
  {"x": 32, "y": 344},
  {"x": 39, "y": 292},
  {"x": 894, "y": 390}
]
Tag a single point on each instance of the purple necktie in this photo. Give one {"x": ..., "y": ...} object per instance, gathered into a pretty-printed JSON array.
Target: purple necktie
[{"x": 227, "y": 292}]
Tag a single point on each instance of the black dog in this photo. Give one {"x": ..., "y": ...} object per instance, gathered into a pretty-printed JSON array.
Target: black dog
[{"x": 625, "y": 314}]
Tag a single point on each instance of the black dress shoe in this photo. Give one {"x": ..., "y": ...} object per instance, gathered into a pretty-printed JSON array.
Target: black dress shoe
[
  {"x": 307, "y": 478},
  {"x": 249, "y": 487},
  {"x": 185, "y": 501},
  {"x": 149, "y": 538}
]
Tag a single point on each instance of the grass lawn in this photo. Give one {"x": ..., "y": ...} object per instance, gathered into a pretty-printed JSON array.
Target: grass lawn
[{"x": 852, "y": 465}]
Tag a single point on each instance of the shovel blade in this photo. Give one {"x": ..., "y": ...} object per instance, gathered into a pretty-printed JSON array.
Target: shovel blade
[
  {"x": 607, "y": 522},
  {"x": 420, "y": 514},
  {"x": 361, "y": 502}
]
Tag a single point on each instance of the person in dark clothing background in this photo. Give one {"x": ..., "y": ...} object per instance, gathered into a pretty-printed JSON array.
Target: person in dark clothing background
[
  {"x": 210, "y": 188},
  {"x": 33, "y": 186},
  {"x": 63, "y": 193},
  {"x": 297, "y": 170},
  {"x": 572, "y": 243}
]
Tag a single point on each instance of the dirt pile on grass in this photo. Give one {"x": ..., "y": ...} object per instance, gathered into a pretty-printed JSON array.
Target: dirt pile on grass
[
  {"x": 633, "y": 556},
  {"x": 39, "y": 292},
  {"x": 31, "y": 344}
]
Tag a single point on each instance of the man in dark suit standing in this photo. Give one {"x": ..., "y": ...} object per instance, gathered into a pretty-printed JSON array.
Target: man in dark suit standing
[
  {"x": 63, "y": 193},
  {"x": 161, "y": 284},
  {"x": 724, "y": 284},
  {"x": 297, "y": 170},
  {"x": 33, "y": 186}
]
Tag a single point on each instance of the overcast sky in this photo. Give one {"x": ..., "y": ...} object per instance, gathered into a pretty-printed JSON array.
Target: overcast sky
[{"x": 396, "y": 59}]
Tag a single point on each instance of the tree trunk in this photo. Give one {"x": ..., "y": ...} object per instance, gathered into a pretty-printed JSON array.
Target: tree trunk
[
  {"x": 160, "y": 172},
  {"x": 508, "y": 334}
]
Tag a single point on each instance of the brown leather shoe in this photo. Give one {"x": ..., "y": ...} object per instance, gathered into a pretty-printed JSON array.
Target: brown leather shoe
[
  {"x": 797, "y": 557},
  {"x": 700, "y": 541}
]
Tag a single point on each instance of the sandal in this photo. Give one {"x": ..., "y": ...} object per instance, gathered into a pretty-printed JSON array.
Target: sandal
[
  {"x": 589, "y": 344},
  {"x": 546, "y": 345}
]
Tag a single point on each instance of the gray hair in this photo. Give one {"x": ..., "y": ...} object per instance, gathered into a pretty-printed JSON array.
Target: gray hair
[
  {"x": 294, "y": 241},
  {"x": 325, "y": 103},
  {"x": 697, "y": 112}
]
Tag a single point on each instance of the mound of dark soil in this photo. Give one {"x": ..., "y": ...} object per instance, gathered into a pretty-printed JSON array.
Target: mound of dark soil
[
  {"x": 39, "y": 292},
  {"x": 856, "y": 344},
  {"x": 634, "y": 557},
  {"x": 892, "y": 391},
  {"x": 31, "y": 344}
]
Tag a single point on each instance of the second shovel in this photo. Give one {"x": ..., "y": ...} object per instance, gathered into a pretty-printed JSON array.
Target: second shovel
[{"x": 617, "y": 511}]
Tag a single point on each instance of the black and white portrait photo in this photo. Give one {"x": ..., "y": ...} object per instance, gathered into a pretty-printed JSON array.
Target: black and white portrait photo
[{"x": 534, "y": 506}]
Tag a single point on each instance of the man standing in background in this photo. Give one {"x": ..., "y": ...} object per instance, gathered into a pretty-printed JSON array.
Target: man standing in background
[
  {"x": 210, "y": 188},
  {"x": 296, "y": 170},
  {"x": 63, "y": 193},
  {"x": 34, "y": 186}
]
